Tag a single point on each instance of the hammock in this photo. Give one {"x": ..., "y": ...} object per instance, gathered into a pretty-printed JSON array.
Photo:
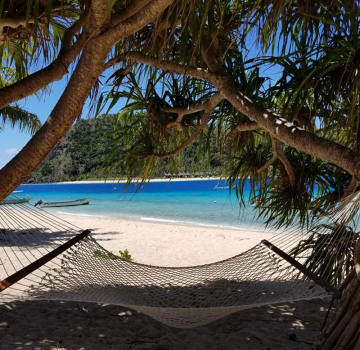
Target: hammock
[{"x": 46, "y": 258}]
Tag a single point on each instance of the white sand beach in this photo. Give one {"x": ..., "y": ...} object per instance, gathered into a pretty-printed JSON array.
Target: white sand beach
[
  {"x": 116, "y": 181},
  {"x": 166, "y": 244},
  {"x": 73, "y": 325}
]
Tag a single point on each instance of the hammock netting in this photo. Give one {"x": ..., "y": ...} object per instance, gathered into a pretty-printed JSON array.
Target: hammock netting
[{"x": 177, "y": 296}]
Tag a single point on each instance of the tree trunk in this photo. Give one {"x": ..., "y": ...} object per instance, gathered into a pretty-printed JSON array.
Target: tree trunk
[
  {"x": 62, "y": 117},
  {"x": 69, "y": 106},
  {"x": 343, "y": 331}
]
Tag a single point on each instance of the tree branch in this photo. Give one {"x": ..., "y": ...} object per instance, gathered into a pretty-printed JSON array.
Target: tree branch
[
  {"x": 281, "y": 155},
  {"x": 208, "y": 108},
  {"x": 249, "y": 126},
  {"x": 111, "y": 62},
  {"x": 271, "y": 161},
  {"x": 189, "y": 110},
  {"x": 192, "y": 109},
  {"x": 267, "y": 120},
  {"x": 276, "y": 126},
  {"x": 176, "y": 68},
  {"x": 53, "y": 72},
  {"x": 73, "y": 30},
  {"x": 23, "y": 21},
  {"x": 132, "y": 8},
  {"x": 38, "y": 80},
  {"x": 98, "y": 16},
  {"x": 351, "y": 188},
  {"x": 139, "y": 19},
  {"x": 59, "y": 67},
  {"x": 70, "y": 104}
]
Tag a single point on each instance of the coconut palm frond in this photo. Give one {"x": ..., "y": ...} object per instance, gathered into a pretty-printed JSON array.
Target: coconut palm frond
[{"x": 17, "y": 117}]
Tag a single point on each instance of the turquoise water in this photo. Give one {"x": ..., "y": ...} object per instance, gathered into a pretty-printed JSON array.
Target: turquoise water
[{"x": 185, "y": 202}]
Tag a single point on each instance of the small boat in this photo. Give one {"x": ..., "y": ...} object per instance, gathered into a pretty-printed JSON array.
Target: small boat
[
  {"x": 15, "y": 200},
  {"x": 221, "y": 188},
  {"x": 82, "y": 201}
]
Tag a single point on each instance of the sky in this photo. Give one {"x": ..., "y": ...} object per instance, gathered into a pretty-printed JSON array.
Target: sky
[{"x": 12, "y": 141}]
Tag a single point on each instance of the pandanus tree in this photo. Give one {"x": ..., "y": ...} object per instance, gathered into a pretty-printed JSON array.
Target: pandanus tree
[{"x": 277, "y": 80}]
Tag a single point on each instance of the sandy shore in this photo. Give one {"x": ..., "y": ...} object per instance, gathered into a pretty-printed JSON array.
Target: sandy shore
[
  {"x": 73, "y": 325},
  {"x": 114, "y": 181},
  {"x": 167, "y": 244}
]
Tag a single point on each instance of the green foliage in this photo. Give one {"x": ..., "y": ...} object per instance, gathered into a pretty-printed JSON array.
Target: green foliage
[
  {"x": 297, "y": 58},
  {"x": 89, "y": 146},
  {"x": 110, "y": 255},
  {"x": 13, "y": 114},
  {"x": 36, "y": 40},
  {"x": 124, "y": 254},
  {"x": 17, "y": 117},
  {"x": 300, "y": 59},
  {"x": 329, "y": 251}
]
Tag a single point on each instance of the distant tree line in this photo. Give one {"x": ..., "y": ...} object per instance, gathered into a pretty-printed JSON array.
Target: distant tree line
[{"x": 83, "y": 155}]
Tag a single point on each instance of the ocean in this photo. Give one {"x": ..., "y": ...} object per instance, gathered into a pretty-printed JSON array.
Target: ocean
[{"x": 199, "y": 202}]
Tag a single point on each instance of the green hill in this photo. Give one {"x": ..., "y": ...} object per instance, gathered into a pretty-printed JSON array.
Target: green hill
[{"x": 80, "y": 155}]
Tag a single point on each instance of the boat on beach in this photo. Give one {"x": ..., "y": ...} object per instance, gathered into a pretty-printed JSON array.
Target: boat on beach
[
  {"x": 15, "y": 200},
  {"x": 81, "y": 201}
]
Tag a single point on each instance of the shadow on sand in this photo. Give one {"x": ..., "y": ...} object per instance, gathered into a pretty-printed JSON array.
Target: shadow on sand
[{"x": 73, "y": 326}]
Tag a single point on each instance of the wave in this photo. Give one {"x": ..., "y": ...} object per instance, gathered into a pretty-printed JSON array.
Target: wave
[
  {"x": 80, "y": 214},
  {"x": 191, "y": 223}
]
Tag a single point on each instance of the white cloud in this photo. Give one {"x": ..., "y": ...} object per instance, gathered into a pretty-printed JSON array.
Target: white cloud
[{"x": 11, "y": 150}]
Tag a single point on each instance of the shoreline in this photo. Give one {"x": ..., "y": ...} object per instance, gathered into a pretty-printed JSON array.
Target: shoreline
[
  {"x": 169, "y": 244},
  {"x": 124, "y": 181},
  {"x": 160, "y": 221}
]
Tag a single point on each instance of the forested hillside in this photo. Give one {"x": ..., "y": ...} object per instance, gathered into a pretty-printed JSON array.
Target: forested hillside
[{"x": 82, "y": 152}]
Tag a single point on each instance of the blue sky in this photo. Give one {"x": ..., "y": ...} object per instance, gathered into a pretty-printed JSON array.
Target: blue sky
[{"x": 12, "y": 141}]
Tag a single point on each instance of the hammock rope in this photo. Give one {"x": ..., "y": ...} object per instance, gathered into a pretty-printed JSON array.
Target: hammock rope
[{"x": 45, "y": 258}]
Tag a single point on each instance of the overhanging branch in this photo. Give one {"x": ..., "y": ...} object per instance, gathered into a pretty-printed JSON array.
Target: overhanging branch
[
  {"x": 138, "y": 20},
  {"x": 73, "y": 30},
  {"x": 270, "y": 162},
  {"x": 351, "y": 188},
  {"x": 176, "y": 68},
  {"x": 131, "y": 9},
  {"x": 38, "y": 80},
  {"x": 249, "y": 126},
  {"x": 276, "y": 126},
  {"x": 190, "y": 110},
  {"x": 281, "y": 155},
  {"x": 69, "y": 106},
  {"x": 207, "y": 108}
]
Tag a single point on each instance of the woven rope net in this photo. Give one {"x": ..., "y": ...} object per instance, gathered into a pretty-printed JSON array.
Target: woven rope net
[{"x": 179, "y": 297}]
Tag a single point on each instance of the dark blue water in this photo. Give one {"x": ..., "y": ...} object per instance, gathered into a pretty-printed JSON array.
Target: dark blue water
[{"x": 186, "y": 202}]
